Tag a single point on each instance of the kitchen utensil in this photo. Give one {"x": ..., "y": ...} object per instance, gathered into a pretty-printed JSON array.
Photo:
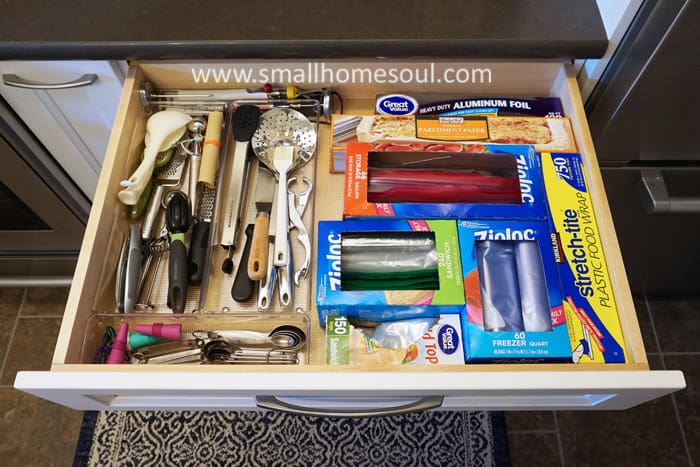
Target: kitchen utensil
[
  {"x": 166, "y": 178},
  {"x": 199, "y": 242},
  {"x": 244, "y": 123},
  {"x": 285, "y": 273},
  {"x": 120, "y": 280},
  {"x": 163, "y": 129},
  {"x": 243, "y": 286},
  {"x": 263, "y": 199},
  {"x": 283, "y": 337},
  {"x": 195, "y": 127},
  {"x": 296, "y": 213},
  {"x": 165, "y": 330},
  {"x": 177, "y": 219},
  {"x": 133, "y": 268},
  {"x": 177, "y": 352},
  {"x": 154, "y": 249},
  {"x": 139, "y": 208},
  {"x": 210, "y": 149},
  {"x": 266, "y": 286},
  {"x": 284, "y": 140},
  {"x": 116, "y": 355},
  {"x": 220, "y": 351}
]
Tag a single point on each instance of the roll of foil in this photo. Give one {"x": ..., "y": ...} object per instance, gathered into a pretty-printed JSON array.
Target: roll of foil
[
  {"x": 533, "y": 287},
  {"x": 500, "y": 290}
]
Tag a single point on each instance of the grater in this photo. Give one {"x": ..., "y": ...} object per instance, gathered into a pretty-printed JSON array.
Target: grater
[{"x": 165, "y": 178}]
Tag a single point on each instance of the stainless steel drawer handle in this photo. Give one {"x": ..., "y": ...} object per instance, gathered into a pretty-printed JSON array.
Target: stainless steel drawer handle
[
  {"x": 18, "y": 82},
  {"x": 423, "y": 403},
  {"x": 655, "y": 196}
]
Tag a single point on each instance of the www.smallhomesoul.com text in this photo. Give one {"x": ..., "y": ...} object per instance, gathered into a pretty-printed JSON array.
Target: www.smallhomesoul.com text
[{"x": 322, "y": 73}]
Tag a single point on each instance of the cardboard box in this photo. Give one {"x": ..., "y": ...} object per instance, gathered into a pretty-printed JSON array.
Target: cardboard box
[
  {"x": 440, "y": 344},
  {"x": 454, "y": 133},
  {"x": 513, "y": 299},
  {"x": 589, "y": 301},
  {"x": 446, "y": 105},
  {"x": 374, "y": 302},
  {"x": 516, "y": 164}
]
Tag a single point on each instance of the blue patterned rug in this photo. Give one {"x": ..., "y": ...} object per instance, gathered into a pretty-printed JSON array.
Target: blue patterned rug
[{"x": 266, "y": 438}]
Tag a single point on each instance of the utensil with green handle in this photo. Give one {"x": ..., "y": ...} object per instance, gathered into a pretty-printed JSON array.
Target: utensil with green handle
[{"x": 177, "y": 220}]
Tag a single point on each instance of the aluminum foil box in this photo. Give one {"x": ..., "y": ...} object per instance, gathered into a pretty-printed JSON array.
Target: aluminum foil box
[
  {"x": 589, "y": 301},
  {"x": 519, "y": 160},
  {"x": 376, "y": 303},
  {"x": 513, "y": 297}
]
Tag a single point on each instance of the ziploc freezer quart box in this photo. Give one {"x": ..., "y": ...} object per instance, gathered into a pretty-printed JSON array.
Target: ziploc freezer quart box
[
  {"x": 387, "y": 270},
  {"x": 513, "y": 307},
  {"x": 498, "y": 182},
  {"x": 589, "y": 302},
  {"x": 424, "y": 341}
]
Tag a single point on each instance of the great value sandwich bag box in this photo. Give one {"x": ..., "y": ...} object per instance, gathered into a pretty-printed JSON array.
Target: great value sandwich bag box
[
  {"x": 423, "y": 341},
  {"x": 589, "y": 301},
  {"x": 387, "y": 270},
  {"x": 446, "y": 133},
  {"x": 492, "y": 182},
  {"x": 513, "y": 298}
]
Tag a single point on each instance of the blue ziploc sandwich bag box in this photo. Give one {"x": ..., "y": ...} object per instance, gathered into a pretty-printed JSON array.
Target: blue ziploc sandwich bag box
[
  {"x": 388, "y": 270},
  {"x": 589, "y": 301},
  {"x": 490, "y": 182},
  {"x": 513, "y": 309}
]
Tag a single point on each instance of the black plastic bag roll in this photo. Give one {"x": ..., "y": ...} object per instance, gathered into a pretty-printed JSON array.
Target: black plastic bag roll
[
  {"x": 500, "y": 290},
  {"x": 533, "y": 288}
]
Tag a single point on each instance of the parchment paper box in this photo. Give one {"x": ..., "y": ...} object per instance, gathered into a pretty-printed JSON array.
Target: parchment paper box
[
  {"x": 589, "y": 301},
  {"x": 453, "y": 133},
  {"x": 367, "y": 281},
  {"x": 508, "y": 178},
  {"x": 513, "y": 297}
]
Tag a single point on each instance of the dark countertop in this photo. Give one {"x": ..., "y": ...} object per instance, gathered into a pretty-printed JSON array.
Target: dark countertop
[{"x": 131, "y": 29}]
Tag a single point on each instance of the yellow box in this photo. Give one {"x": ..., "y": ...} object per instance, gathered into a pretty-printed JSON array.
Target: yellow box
[{"x": 589, "y": 303}]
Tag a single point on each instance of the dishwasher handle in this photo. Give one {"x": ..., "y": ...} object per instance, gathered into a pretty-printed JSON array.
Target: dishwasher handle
[
  {"x": 19, "y": 82},
  {"x": 656, "y": 200},
  {"x": 422, "y": 403}
]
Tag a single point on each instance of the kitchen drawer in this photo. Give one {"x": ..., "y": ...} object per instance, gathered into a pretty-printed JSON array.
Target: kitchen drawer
[{"x": 315, "y": 387}]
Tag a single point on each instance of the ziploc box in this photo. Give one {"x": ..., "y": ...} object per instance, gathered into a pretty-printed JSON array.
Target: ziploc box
[
  {"x": 513, "y": 297},
  {"x": 520, "y": 197},
  {"x": 589, "y": 301},
  {"x": 375, "y": 273},
  {"x": 394, "y": 343}
]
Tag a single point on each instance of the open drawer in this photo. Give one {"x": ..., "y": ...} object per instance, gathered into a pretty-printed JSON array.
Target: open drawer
[{"x": 316, "y": 388}]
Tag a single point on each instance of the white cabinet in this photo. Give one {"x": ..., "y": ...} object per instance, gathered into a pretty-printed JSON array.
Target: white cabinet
[{"x": 70, "y": 107}]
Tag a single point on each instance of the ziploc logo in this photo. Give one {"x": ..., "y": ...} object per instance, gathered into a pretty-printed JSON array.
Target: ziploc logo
[
  {"x": 396, "y": 104},
  {"x": 507, "y": 234},
  {"x": 448, "y": 339}
]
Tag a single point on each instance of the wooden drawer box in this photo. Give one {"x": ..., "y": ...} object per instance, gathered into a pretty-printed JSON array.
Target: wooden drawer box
[{"x": 315, "y": 387}]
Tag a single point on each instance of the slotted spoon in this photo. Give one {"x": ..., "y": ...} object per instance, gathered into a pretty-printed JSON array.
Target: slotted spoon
[{"x": 285, "y": 140}]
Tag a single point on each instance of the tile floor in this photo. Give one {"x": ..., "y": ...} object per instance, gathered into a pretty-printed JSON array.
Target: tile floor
[{"x": 659, "y": 433}]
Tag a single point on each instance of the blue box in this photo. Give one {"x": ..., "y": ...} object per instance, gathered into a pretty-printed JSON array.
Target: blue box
[
  {"x": 513, "y": 310},
  {"x": 387, "y": 305},
  {"x": 518, "y": 158}
]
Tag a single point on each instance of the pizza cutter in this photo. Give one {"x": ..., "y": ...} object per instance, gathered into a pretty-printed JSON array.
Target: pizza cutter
[{"x": 285, "y": 140}]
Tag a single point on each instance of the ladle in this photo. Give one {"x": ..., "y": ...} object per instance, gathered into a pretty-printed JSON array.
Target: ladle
[{"x": 163, "y": 129}]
